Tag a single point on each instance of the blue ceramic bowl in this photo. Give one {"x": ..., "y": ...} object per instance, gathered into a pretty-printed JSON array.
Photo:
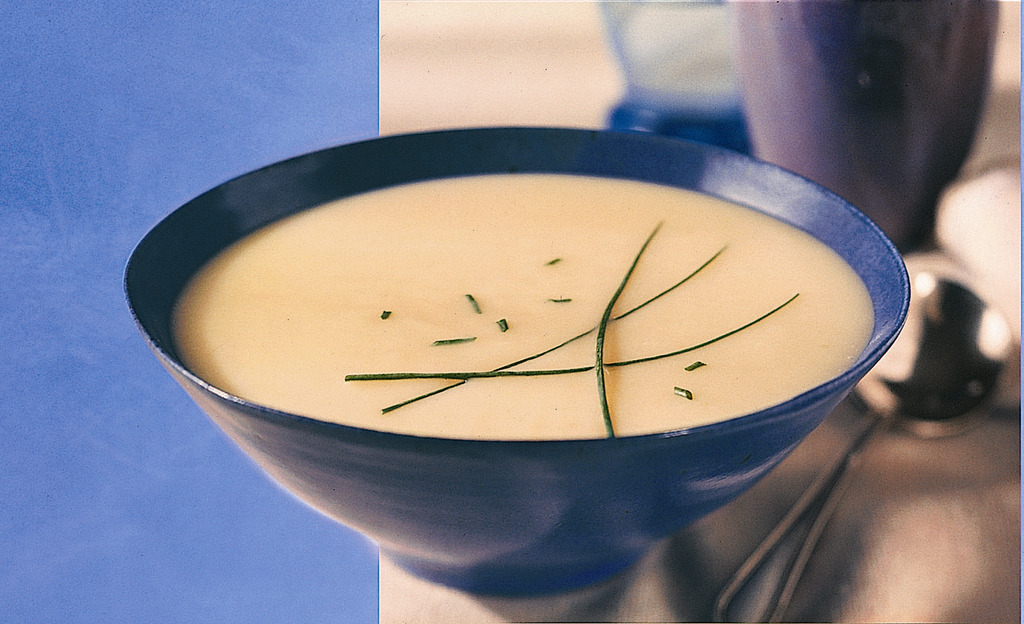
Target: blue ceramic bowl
[{"x": 509, "y": 517}]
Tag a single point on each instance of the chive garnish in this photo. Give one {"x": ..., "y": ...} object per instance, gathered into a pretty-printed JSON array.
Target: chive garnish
[
  {"x": 472, "y": 302},
  {"x": 673, "y": 286},
  {"x": 694, "y": 366},
  {"x": 420, "y": 397},
  {"x": 392, "y": 408},
  {"x": 385, "y": 314},
  {"x": 662, "y": 356},
  {"x": 621, "y": 316},
  {"x": 552, "y": 261},
  {"x": 451, "y": 341},
  {"x": 683, "y": 392},
  {"x": 602, "y": 329},
  {"x": 504, "y": 372},
  {"x": 462, "y": 375},
  {"x": 503, "y": 325},
  {"x": 570, "y": 340},
  {"x": 560, "y": 300}
]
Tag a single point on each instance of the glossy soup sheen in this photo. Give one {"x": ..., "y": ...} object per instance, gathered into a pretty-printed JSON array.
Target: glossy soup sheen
[{"x": 378, "y": 283}]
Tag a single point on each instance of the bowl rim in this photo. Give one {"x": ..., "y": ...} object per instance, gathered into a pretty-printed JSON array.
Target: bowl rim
[{"x": 866, "y": 359}]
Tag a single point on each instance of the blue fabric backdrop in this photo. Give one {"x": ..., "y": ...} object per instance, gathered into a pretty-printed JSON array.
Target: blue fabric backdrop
[{"x": 119, "y": 500}]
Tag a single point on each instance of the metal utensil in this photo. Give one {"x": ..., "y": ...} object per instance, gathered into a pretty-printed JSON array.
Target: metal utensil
[{"x": 945, "y": 364}]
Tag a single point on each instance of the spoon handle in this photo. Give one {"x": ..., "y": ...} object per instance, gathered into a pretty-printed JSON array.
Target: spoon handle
[{"x": 762, "y": 587}]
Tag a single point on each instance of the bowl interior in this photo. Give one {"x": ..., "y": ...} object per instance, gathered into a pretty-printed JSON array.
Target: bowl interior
[{"x": 178, "y": 246}]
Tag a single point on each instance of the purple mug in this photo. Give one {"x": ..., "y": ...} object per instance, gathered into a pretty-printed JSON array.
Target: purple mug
[{"x": 877, "y": 101}]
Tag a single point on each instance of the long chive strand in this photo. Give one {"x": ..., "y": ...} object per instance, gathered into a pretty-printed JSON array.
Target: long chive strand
[
  {"x": 662, "y": 356},
  {"x": 463, "y": 376},
  {"x": 427, "y": 395},
  {"x": 451, "y": 375},
  {"x": 392, "y": 408},
  {"x": 602, "y": 329},
  {"x": 671, "y": 288}
]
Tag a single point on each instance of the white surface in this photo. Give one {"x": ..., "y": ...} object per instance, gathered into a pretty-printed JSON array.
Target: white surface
[{"x": 455, "y": 64}]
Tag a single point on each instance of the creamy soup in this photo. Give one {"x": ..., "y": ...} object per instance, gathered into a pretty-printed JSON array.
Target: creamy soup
[{"x": 469, "y": 275}]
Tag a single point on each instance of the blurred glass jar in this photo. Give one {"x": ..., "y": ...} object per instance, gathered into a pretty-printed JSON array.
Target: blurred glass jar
[
  {"x": 878, "y": 101},
  {"x": 676, "y": 59}
]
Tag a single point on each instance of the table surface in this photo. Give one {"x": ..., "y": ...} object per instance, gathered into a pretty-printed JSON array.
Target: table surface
[{"x": 123, "y": 503}]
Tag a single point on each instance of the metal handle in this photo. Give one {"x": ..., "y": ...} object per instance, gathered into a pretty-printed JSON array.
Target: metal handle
[{"x": 762, "y": 587}]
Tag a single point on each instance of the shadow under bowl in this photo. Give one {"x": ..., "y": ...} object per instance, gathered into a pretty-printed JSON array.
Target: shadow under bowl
[{"x": 509, "y": 517}]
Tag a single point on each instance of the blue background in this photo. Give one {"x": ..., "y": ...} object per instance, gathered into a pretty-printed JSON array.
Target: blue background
[{"x": 119, "y": 500}]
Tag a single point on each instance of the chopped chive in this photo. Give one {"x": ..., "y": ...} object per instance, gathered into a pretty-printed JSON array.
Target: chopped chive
[
  {"x": 683, "y": 392},
  {"x": 451, "y": 341},
  {"x": 552, "y": 261},
  {"x": 503, "y": 325},
  {"x": 695, "y": 366},
  {"x": 559, "y": 300},
  {"x": 385, "y": 314},
  {"x": 472, "y": 302}
]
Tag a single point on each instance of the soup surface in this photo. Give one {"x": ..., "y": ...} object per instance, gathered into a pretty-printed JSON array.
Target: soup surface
[{"x": 468, "y": 275}]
